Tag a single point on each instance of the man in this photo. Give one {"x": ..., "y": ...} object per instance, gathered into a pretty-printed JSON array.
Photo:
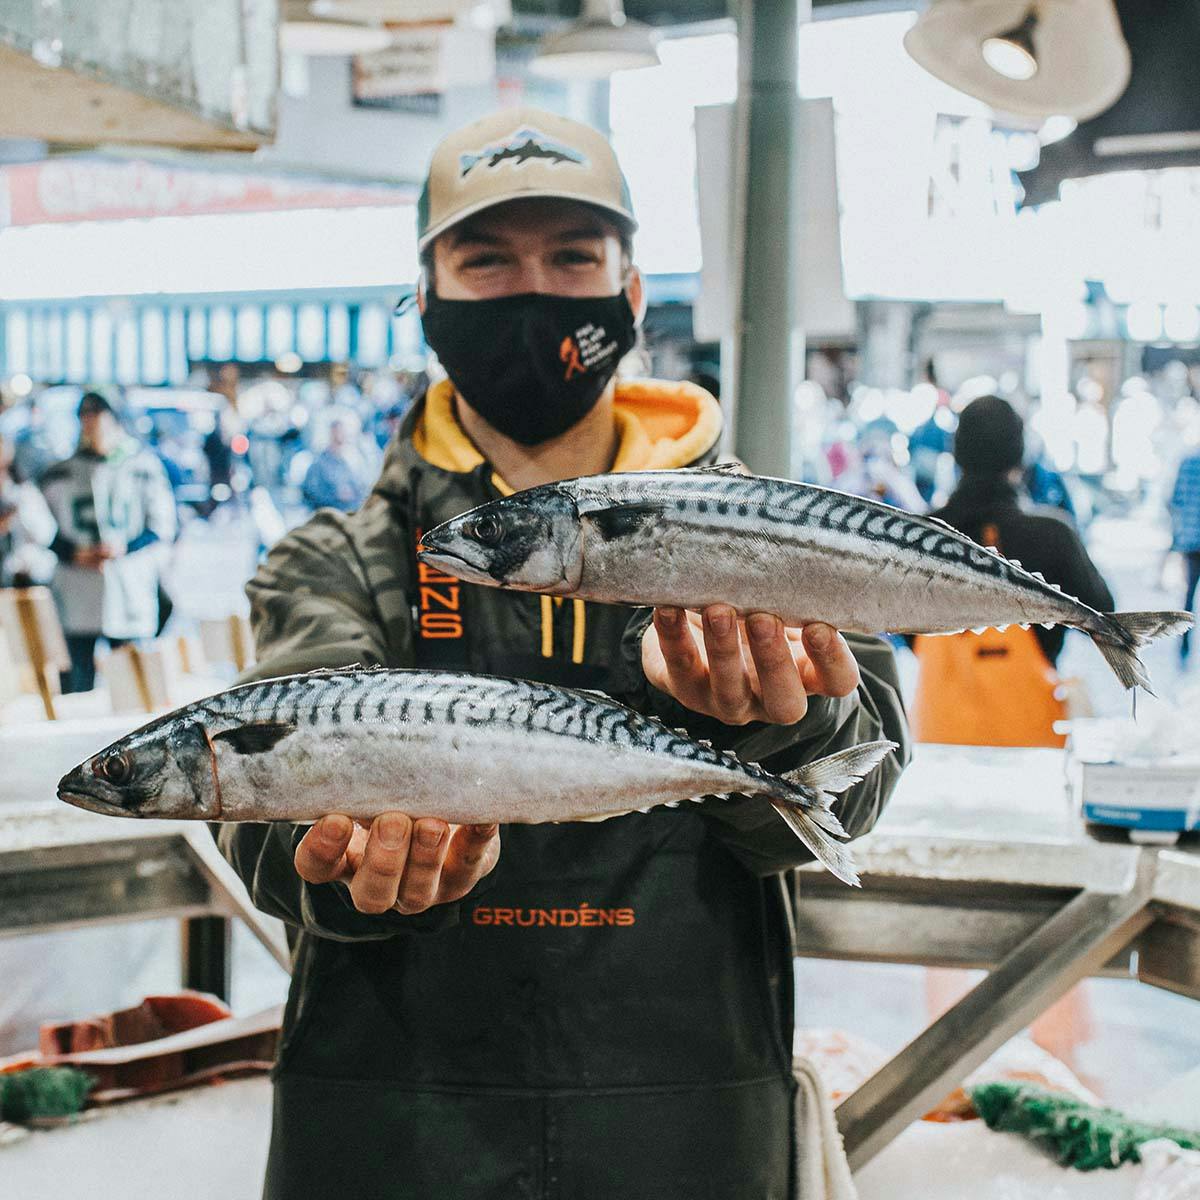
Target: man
[
  {"x": 116, "y": 515},
  {"x": 441, "y": 1039},
  {"x": 337, "y": 477},
  {"x": 26, "y": 528}
]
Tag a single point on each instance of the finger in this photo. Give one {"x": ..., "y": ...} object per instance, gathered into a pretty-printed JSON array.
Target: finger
[
  {"x": 321, "y": 855},
  {"x": 473, "y": 852},
  {"x": 423, "y": 871},
  {"x": 728, "y": 679},
  {"x": 782, "y": 696},
  {"x": 377, "y": 879},
  {"x": 833, "y": 669},
  {"x": 687, "y": 676}
]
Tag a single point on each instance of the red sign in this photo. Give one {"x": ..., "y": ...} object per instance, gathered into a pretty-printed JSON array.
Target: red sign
[{"x": 79, "y": 190}]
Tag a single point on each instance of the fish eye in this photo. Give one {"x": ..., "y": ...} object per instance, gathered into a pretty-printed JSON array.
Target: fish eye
[
  {"x": 488, "y": 529},
  {"x": 116, "y": 769}
]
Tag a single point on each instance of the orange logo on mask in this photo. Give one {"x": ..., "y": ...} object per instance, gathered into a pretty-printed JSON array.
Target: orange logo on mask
[{"x": 569, "y": 353}]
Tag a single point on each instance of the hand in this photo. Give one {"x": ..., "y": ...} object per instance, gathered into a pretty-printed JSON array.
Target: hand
[
  {"x": 106, "y": 551},
  {"x": 400, "y": 864},
  {"x": 87, "y": 557},
  {"x": 742, "y": 671}
]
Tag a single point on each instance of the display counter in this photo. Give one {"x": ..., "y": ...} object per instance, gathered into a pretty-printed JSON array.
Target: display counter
[{"x": 981, "y": 860}]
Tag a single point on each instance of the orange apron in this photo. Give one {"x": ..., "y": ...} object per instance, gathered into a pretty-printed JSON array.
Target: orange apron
[{"x": 987, "y": 689}]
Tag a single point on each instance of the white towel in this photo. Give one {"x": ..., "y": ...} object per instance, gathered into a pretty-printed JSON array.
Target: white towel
[
  {"x": 822, "y": 1171},
  {"x": 1171, "y": 1173}
]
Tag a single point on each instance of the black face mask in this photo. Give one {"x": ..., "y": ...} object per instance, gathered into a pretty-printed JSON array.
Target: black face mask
[{"x": 531, "y": 365}]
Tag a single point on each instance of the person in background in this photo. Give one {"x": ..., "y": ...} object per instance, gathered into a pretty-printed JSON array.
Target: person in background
[
  {"x": 33, "y": 453},
  {"x": 1043, "y": 484},
  {"x": 26, "y": 528},
  {"x": 338, "y": 477},
  {"x": 932, "y": 439},
  {"x": 989, "y": 448},
  {"x": 1185, "y": 517},
  {"x": 226, "y": 445},
  {"x": 116, "y": 516}
]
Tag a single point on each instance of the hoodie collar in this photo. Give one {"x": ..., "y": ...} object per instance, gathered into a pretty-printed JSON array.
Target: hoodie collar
[{"x": 660, "y": 424}]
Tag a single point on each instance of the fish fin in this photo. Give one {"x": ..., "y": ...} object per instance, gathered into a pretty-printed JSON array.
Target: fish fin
[
  {"x": 620, "y": 520},
  {"x": 837, "y": 859},
  {"x": 256, "y": 738},
  {"x": 1134, "y": 630},
  {"x": 828, "y": 820},
  {"x": 837, "y": 772},
  {"x": 722, "y": 468}
]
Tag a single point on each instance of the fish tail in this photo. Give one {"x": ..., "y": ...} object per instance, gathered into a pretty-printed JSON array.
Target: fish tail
[
  {"x": 831, "y": 854},
  {"x": 1125, "y": 633},
  {"x": 806, "y": 795}
]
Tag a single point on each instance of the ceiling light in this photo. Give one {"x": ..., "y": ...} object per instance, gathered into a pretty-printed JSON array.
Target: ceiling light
[
  {"x": 1012, "y": 53},
  {"x": 602, "y": 41},
  {"x": 1028, "y": 58}
]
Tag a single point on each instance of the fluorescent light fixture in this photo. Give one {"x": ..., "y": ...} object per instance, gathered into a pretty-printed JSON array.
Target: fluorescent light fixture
[
  {"x": 602, "y": 41},
  {"x": 1013, "y": 53}
]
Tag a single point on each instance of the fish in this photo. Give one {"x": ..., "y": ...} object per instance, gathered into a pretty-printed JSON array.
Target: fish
[
  {"x": 711, "y": 535},
  {"x": 469, "y": 749}
]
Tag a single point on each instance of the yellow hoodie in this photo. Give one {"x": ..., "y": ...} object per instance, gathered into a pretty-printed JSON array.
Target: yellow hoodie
[{"x": 661, "y": 425}]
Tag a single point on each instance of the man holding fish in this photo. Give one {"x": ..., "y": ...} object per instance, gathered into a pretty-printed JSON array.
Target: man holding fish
[{"x": 592, "y": 1010}]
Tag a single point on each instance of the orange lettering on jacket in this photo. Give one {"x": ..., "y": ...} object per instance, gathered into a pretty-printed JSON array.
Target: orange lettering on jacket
[
  {"x": 439, "y": 598},
  {"x": 585, "y": 916}
]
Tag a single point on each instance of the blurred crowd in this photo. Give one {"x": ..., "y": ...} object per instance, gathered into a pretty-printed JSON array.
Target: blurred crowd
[{"x": 95, "y": 486}]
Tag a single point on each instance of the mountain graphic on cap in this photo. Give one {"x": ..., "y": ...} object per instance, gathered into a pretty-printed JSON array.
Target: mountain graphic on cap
[
  {"x": 520, "y": 153},
  {"x": 524, "y": 145}
]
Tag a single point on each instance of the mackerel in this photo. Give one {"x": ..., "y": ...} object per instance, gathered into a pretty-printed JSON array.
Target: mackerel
[
  {"x": 711, "y": 535},
  {"x": 468, "y": 749}
]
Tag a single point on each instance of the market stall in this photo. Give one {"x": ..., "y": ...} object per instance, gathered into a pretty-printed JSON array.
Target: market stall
[{"x": 981, "y": 860}]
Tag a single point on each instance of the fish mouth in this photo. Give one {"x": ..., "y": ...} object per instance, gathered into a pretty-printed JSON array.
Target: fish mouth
[
  {"x": 94, "y": 804},
  {"x": 77, "y": 788},
  {"x": 442, "y": 558}
]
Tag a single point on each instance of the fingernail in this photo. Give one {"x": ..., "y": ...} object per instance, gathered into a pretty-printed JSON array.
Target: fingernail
[
  {"x": 669, "y": 616},
  {"x": 720, "y": 621},
  {"x": 335, "y": 828},
  {"x": 820, "y": 637},
  {"x": 484, "y": 831},
  {"x": 761, "y": 626},
  {"x": 392, "y": 832},
  {"x": 429, "y": 833}
]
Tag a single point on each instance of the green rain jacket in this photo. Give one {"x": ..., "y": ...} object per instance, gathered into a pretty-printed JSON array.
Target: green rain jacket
[{"x": 609, "y": 1013}]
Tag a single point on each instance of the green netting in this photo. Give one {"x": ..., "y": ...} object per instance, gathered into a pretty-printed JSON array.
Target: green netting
[
  {"x": 43, "y": 1092},
  {"x": 1073, "y": 1133}
]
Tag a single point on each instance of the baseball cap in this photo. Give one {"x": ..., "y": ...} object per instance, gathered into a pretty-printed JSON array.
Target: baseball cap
[{"x": 520, "y": 153}]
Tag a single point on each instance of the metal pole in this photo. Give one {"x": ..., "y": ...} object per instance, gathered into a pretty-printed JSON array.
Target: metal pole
[{"x": 769, "y": 356}]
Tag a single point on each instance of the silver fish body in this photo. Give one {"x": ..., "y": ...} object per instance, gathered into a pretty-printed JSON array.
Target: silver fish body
[
  {"x": 467, "y": 749},
  {"x": 692, "y": 538}
]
